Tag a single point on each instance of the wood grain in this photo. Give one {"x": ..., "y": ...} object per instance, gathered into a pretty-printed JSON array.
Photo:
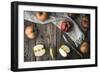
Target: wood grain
[{"x": 51, "y": 37}]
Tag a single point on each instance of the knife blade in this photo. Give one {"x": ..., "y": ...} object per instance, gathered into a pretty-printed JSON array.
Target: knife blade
[{"x": 71, "y": 44}]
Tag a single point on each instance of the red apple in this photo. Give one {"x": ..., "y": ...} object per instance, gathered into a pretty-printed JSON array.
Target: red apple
[
  {"x": 85, "y": 22},
  {"x": 65, "y": 26}
]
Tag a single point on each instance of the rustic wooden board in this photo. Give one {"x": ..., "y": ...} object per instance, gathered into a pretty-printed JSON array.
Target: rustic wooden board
[
  {"x": 28, "y": 47},
  {"x": 51, "y": 37}
]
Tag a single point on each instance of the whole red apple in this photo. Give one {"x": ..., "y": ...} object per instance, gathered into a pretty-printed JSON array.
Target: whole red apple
[{"x": 65, "y": 26}]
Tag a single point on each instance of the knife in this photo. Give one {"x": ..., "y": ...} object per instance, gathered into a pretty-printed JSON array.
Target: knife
[{"x": 71, "y": 44}]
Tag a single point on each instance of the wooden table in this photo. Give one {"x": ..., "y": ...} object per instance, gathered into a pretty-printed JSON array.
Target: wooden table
[{"x": 51, "y": 37}]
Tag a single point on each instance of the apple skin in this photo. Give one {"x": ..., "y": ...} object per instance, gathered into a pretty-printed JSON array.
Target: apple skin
[
  {"x": 65, "y": 26},
  {"x": 30, "y": 31},
  {"x": 42, "y": 16},
  {"x": 85, "y": 23},
  {"x": 84, "y": 48}
]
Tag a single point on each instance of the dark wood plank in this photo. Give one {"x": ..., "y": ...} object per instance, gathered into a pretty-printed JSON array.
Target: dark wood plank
[
  {"x": 30, "y": 50},
  {"x": 42, "y": 40},
  {"x": 59, "y": 43},
  {"x": 53, "y": 45},
  {"x": 26, "y": 55},
  {"x": 28, "y": 47}
]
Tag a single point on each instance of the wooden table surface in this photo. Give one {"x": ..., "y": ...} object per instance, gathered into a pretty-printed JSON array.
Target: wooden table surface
[{"x": 51, "y": 37}]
